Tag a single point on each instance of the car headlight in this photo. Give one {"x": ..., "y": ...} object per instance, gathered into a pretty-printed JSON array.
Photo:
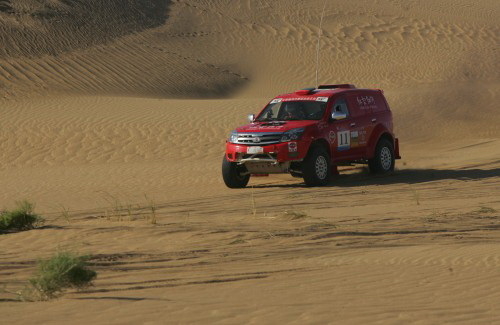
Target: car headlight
[
  {"x": 292, "y": 135},
  {"x": 233, "y": 137}
]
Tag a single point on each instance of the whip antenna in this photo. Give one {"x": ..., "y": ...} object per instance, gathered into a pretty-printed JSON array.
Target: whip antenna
[{"x": 320, "y": 32}]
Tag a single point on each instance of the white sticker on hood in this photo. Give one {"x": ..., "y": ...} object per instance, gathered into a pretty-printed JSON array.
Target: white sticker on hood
[
  {"x": 276, "y": 100},
  {"x": 322, "y": 99}
]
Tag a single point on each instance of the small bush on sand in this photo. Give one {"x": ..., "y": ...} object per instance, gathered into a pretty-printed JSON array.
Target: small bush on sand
[
  {"x": 295, "y": 215},
  {"x": 486, "y": 210},
  {"x": 64, "y": 270},
  {"x": 21, "y": 218}
]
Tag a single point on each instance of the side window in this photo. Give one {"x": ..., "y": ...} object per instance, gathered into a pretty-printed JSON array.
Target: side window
[{"x": 340, "y": 106}]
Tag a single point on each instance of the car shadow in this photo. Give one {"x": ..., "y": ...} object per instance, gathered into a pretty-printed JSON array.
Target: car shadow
[{"x": 403, "y": 176}]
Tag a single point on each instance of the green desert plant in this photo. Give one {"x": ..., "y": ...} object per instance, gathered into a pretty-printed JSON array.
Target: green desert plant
[
  {"x": 295, "y": 215},
  {"x": 65, "y": 213},
  {"x": 238, "y": 241},
  {"x": 117, "y": 209},
  {"x": 21, "y": 218},
  {"x": 485, "y": 210},
  {"x": 152, "y": 206},
  {"x": 129, "y": 212},
  {"x": 63, "y": 270}
]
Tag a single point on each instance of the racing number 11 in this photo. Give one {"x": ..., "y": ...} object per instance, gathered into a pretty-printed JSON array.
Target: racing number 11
[{"x": 344, "y": 140}]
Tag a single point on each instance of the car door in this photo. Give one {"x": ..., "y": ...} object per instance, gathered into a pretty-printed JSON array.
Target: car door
[
  {"x": 380, "y": 111},
  {"x": 360, "y": 105},
  {"x": 339, "y": 134}
]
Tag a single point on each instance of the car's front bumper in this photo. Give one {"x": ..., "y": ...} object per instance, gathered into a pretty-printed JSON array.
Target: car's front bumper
[{"x": 273, "y": 153}]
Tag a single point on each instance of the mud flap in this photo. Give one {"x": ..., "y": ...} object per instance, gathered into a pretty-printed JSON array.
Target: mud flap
[{"x": 396, "y": 149}]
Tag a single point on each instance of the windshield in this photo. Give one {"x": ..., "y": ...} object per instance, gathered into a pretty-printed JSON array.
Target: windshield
[{"x": 292, "y": 111}]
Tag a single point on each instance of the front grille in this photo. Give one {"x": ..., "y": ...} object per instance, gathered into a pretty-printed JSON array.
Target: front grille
[{"x": 258, "y": 139}]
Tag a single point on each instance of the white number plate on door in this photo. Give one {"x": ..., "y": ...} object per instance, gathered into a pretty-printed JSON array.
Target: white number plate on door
[{"x": 254, "y": 150}]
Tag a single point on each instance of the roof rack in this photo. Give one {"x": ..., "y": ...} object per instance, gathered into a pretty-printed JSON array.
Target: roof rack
[{"x": 348, "y": 86}]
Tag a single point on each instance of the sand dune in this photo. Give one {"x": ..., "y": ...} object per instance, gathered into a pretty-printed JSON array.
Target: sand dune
[{"x": 107, "y": 105}]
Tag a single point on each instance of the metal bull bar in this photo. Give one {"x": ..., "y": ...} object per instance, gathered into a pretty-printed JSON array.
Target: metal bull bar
[{"x": 254, "y": 158}]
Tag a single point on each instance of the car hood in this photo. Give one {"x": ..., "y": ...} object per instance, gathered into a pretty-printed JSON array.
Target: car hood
[{"x": 277, "y": 126}]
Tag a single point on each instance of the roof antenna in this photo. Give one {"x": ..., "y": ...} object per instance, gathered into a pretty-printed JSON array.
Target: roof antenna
[{"x": 320, "y": 32}]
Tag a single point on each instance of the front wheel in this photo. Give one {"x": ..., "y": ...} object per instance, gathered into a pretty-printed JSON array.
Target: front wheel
[
  {"x": 234, "y": 175},
  {"x": 316, "y": 167},
  {"x": 383, "y": 161}
]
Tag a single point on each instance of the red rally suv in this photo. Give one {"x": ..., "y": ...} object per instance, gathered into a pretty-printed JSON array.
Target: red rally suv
[{"x": 312, "y": 131}]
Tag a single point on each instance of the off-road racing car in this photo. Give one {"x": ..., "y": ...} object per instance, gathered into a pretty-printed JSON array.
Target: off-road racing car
[{"x": 310, "y": 132}]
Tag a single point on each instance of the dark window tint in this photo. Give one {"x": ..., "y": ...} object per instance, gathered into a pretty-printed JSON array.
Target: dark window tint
[{"x": 293, "y": 110}]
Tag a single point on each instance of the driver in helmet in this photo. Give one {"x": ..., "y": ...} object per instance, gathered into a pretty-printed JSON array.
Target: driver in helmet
[{"x": 292, "y": 111}]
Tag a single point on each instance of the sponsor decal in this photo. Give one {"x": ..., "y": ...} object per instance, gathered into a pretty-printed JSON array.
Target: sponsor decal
[
  {"x": 299, "y": 99},
  {"x": 354, "y": 139},
  {"x": 259, "y": 127},
  {"x": 332, "y": 136},
  {"x": 344, "y": 140},
  {"x": 322, "y": 125},
  {"x": 292, "y": 147},
  {"x": 366, "y": 102},
  {"x": 317, "y": 99}
]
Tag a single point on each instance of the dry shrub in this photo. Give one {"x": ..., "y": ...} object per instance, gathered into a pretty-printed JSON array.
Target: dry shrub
[
  {"x": 63, "y": 270},
  {"x": 21, "y": 218}
]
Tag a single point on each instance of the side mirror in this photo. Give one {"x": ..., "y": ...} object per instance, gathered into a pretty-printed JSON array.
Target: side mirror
[
  {"x": 251, "y": 117},
  {"x": 337, "y": 116}
]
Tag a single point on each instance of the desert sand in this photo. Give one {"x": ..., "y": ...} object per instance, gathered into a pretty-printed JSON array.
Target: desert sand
[{"x": 111, "y": 107}]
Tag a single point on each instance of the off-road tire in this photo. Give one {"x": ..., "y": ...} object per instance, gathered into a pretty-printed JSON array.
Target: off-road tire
[
  {"x": 384, "y": 159},
  {"x": 232, "y": 174},
  {"x": 316, "y": 167}
]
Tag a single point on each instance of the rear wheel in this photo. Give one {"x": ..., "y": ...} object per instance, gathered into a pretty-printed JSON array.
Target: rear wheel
[
  {"x": 234, "y": 175},
  {"x": 316, "y": 167},
  {"x": 383, "y": 161}
]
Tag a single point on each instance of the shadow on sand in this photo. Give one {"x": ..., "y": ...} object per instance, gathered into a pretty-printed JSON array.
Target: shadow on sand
[{"x": 404, "y": 176}]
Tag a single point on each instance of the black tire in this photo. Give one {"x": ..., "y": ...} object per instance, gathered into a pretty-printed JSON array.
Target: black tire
[
  {"x": 233, "y": 174},
  {"x": 384, "y": 159},
  {"x": 316, "y": 167}
]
